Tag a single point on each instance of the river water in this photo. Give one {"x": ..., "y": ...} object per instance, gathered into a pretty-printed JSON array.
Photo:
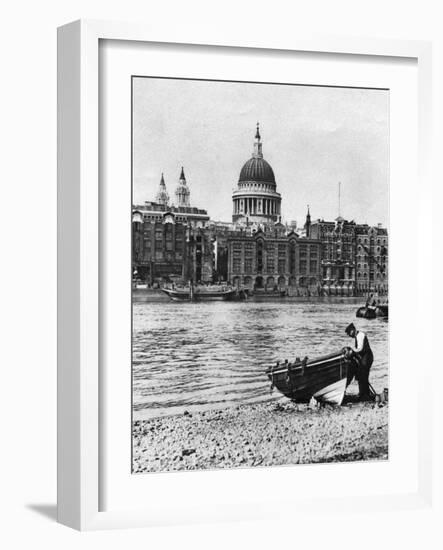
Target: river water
[{"x": 199, "y": 356}]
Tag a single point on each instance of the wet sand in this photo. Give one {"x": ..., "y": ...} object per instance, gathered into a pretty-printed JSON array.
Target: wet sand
[{"x": 264, "y": 434}]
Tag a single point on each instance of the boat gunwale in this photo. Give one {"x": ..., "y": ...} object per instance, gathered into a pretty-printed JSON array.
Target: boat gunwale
[
  {"x": 180, "y": 292},
  {"x": 309, "y": 364}
]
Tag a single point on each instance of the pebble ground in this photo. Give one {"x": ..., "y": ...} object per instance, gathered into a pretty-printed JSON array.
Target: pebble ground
[{"x": 265, "y": 434}]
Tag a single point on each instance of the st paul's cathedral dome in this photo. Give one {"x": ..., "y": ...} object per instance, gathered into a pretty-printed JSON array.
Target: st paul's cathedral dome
[{"x": 256, "y": 199}]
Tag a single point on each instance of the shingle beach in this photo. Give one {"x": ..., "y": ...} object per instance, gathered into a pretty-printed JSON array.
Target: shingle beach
[{"x": 265, "y": 434}]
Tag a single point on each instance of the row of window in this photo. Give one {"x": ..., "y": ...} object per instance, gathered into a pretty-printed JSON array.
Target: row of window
[
  {"x": 366, "y": 265},
  {"x": 365, "y": 241},
  {"x": 163, "y": 256},
  {"x": 248, "y": 266},
  {"x": 371, "y": 275}
]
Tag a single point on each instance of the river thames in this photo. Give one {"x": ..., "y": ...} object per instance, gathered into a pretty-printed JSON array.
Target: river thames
[{"x": 213, "y": 355}]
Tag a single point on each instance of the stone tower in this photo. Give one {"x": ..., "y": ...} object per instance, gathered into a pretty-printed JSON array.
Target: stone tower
[
  {"x": 162, "y": 196},
  {"x": 182, "y": 192}
]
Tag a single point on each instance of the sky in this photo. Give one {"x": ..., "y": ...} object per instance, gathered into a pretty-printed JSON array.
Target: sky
[{"x": 313, "y": 137}]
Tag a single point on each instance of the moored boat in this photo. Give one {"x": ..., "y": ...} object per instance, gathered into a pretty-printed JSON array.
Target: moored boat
[
  {"x": 366, "y": 312},
  {"x": 382, "y": 310},
  {"x": 323, "y": 378},
  {"x": 371, "y": 312},
  {"x": 199, "y": 293}
]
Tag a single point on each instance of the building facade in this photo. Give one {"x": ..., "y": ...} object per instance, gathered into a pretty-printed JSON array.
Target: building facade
[
  {"x": 353, "y": 257},
  {"x": 272, "y": 260},
  {"x": 167, "y": 249},
  {"x": 372, "y": 260}
]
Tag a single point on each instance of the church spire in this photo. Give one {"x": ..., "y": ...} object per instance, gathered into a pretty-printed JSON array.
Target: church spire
[
  {"x": 162, "y": 194},
  {"x": 182, "y": 193},
  {"x": 257, "y": 144},
  {"x": 308, "y": 223}
]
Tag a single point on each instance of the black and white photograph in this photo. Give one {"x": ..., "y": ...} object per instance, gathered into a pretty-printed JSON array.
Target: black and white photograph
[{"x": 260, "y": 274}]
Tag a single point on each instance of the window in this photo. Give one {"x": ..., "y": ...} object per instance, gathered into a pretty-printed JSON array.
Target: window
[
  {"x": 260, "y": 256},
  {"x": 236, "y": 265},
  {"x": 292, "y": 257}
]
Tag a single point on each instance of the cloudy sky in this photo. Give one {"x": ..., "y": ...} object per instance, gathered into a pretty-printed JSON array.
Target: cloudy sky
[{"x": 313, "y": 137}]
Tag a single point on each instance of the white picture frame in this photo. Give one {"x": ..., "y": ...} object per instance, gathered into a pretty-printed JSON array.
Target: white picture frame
[{"x": 79, "y": 267}]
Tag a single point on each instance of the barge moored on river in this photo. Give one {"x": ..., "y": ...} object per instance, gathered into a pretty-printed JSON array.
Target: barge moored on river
[{"x": 200, "y": 293}]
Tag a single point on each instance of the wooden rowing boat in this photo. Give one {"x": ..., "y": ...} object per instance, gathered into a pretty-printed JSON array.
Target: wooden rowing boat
[{"x": 323, "y": 378}]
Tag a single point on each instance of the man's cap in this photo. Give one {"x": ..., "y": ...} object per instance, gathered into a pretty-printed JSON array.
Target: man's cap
[{"x": 349, "y": 328}]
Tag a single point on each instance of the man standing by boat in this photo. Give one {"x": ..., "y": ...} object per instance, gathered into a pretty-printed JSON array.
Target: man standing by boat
[{"x": 363, "y": 356}]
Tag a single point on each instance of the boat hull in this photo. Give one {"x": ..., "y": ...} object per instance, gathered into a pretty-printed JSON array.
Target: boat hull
[
  {"x": 334, "y": 393},
  {"x": 366, "y": 313},
  {"x": 382, "y": 311},
  {"x": 323, "y": 378},
  {"x": 185, "y": 295},
  {"x": 372, "y": 312}
]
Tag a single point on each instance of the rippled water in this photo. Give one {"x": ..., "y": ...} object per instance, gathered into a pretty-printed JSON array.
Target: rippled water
[{"x": 197, "y": 356}]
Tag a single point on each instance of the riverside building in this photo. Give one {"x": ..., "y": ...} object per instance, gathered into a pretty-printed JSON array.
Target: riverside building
[
  {"x": 256, "y": 250},
  {"x": 272, "y": 259},
  {"x": 168, "y": 240},
  {"x": 354, "y": 257}
]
